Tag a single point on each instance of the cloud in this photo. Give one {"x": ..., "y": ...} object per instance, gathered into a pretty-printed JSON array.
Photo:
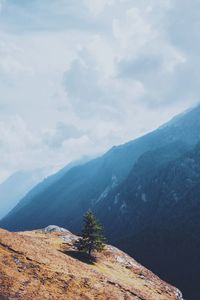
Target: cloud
[
  {"x": 97, "y": 6},
  {"x": 15, "y": 140},
  {"x": 77, "y": 77},
  {"x": 2, "y": 2},
  {"x": 184, "y": 32},
  {"x": 94, "y": 96},
  {"x": 50, "y": 15},
  {"x": 133, "y": 31},
  {"x": 63, "y": 132}
]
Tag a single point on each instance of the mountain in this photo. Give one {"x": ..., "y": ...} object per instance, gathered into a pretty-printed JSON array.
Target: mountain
[
  {"x": 63, "y": 202},
  {"x": 43, "y": 185},
  {"x": 156, "y": 215},
  {"x": 145, "y": 193},
  {"x": 17, "y": 186},
  {"x": 14, "y": 188},
  {"x": 136, "y": 195},
  {"x": 44, "y": 265}
]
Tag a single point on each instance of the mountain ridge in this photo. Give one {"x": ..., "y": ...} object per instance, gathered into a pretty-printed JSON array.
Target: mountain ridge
[
  {"x": 116, "y": 162},
  {"x": 16, "y": 186}
]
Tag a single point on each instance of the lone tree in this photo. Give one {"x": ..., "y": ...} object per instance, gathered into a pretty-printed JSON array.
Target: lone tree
[{"x": 92, "y": 238}]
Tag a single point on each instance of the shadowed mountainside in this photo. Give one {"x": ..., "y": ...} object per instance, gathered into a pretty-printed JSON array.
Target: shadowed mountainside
[{"x": 158, "y": 208}]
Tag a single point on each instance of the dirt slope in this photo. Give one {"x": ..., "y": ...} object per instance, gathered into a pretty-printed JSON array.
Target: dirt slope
[{"x": 43, "y": 265}]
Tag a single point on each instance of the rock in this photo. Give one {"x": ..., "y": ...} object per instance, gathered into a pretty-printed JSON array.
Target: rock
[
  {"x": 54, "y": 228},
  {"x": 69, "y": 238}
]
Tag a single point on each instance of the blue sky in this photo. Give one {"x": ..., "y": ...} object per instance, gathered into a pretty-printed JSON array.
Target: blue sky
[{"x": 78, "y": 76}]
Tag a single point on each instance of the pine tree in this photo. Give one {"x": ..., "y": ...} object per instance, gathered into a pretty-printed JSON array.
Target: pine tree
[{"x": 92, "y": 238}]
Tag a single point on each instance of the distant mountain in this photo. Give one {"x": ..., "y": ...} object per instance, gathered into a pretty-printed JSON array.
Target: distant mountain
[
  {"x": 36, "y": 188},
  {"x": 16, "y": 186},
  {"x": 132, "y": 193}
]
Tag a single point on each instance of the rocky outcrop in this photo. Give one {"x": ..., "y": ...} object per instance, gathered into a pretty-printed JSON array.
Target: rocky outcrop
[
  {"x": 43, "y": 264},
  {"x": 54, "y": 228}
]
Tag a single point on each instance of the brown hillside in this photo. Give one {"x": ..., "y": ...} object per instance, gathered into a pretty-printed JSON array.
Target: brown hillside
[{"x": 43, "y": 265}]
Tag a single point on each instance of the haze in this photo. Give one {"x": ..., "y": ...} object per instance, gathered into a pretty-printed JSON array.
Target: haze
[{"x": 79, "y": 76}]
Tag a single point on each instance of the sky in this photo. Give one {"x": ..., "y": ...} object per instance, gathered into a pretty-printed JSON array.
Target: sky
[{"x": 79, "y": 76}]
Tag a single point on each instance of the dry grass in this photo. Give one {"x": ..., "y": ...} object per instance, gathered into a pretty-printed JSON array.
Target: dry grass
[{"x": 37, "y": 265}]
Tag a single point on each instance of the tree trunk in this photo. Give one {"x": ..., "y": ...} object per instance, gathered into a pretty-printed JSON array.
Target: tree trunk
[{"x": 90, "y": 249}]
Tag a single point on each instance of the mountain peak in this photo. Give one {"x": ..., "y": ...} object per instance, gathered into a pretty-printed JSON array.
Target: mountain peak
[{"x": 189, "y": 114}]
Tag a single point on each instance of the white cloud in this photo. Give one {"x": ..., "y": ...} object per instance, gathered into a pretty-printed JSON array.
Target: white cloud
[
  {"x": 77, "y": 77},
  {"x": 133, "y": 31},
  {"x": 63, "y": 132},
  {"x": 97, "y": 6},
  {"x": 15, "y": 142},
  {"x": 12, "y": 62}
]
